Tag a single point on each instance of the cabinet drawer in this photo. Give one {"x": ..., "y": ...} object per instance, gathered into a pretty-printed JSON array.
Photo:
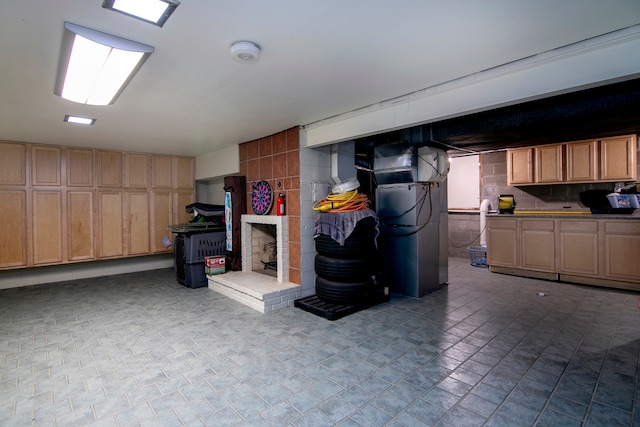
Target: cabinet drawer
[
  {"x": 506, "y": 223},
  {"x": 622, "y": 227},
  {"x": 579, "y": 226},
  {"x": 538, "y": 224}
]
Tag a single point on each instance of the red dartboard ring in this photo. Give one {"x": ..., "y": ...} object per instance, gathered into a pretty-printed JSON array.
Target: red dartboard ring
[{"x": 261, "y": 197}]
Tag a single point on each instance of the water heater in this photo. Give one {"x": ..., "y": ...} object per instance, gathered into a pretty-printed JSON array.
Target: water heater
[{"x": 433, "y": 164}]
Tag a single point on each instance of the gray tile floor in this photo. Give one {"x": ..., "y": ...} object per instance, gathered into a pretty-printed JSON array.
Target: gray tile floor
[{"x": 141, "y": 350}]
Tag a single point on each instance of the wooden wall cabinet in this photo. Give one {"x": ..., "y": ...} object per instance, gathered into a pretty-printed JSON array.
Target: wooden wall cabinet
[
  {"x": 520, "y": 166},
  {"x": 61, "y": 205},
  {"x": 13, "y": 164},
  {"x": 162, "y": 216},
  {"x": 80, "y": 229},
  {"x": 136, "y": 170},
  {"x": 45, "y": 166},
  {"x": 622, "y": 248},
  {"x": 618, "y": 159},
  {"x": 137, "y": 223},
  {"x": 184, "y": 173},
  {"x": 549, "y": 163},
  {"x": 13, "y": 228},
  {"x": 47, "y": 217},
  {"x": 582, "y": 163},
  {"x": 110, "y": 224},
  {"x": 162, "y": 172},
  {"x": 109, "y": 169},
  {"x": 606, "y": 160},
  {"x": 79, "y": 167}
]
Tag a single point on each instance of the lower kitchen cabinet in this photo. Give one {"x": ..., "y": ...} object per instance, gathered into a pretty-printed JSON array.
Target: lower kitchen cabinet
[
  {"x": 593, "y": 251},
  {"x": 538, "y": 244},
  {"x": 579, "y": 245},
  {"x": 502, "y": 242},
  {"x": 622, "y": 250}
]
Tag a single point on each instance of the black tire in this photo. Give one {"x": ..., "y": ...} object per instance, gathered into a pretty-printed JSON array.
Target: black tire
[
  {"x": 343, "y": 293},
  {"x": 344, "y": 270},
  {"x": 356, "y": 246}
]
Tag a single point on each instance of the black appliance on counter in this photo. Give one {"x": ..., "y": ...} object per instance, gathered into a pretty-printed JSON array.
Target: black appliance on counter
[{"x": 597, "y": 202}]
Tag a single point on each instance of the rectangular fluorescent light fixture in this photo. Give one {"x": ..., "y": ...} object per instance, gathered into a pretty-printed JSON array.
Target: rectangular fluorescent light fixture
[
  {"x": 153, "y": 11},
  {"x": 94, "y": 66},
  {"x": 79, "y": 120}
]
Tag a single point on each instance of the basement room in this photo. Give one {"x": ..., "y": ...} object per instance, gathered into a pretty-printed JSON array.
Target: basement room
[{"x": 413, "y": 213}]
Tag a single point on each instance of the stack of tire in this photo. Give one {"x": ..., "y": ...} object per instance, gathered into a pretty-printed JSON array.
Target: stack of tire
[{"x": 345, "y": 273}]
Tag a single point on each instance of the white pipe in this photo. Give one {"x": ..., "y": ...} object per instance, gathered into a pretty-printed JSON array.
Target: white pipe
[{"x": 484, "y": 208}]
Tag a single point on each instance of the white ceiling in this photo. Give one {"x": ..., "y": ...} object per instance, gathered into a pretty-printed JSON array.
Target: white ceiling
[{"x": 319, "y": 59}]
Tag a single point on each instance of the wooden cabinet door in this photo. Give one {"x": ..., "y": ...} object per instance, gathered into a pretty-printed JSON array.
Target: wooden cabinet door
[
  {"x": 13, "y": 228},
  {"x": 502, "y": 242},
  {"x": 13, "y": 164},
  {"x": 109, "y": 169},
  {"x": 137, "y": 223},
  {"x": 520, "y": 166},
  {"x": 184, "y": 173},
  {"x": 618, "y": 159},
  {"x": 45, "y": 165},
  {"x": 110, "y": 224},
  {"x": 181, "y": 200},
  {"x": 578, "y": 247},
  {"x": 136, "y": 170},
  {"x": 161, "y": 217},
  {"x": 549, "y": 163},
  {"x": 79, "y": 167},
  {"x": 47, "y": 227},
  {"x": 161, "y": 172},
  {"x": 622, "y": 250},
  {"x": 538, "y": 244},
  {"x": 80, "y": 232},
  {"x": 582, "y": 165}
]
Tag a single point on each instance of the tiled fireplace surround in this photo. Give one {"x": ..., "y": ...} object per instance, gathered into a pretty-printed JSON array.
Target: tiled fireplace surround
[{"x": 275, "y": 159}]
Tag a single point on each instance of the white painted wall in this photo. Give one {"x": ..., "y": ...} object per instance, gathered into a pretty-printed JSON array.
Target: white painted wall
[
  {"x": 210, "y": 191},
  {"x": 605, "y": 59},
  {"x": 218, "y": 164},
  {"x": 463, "y": 183}
]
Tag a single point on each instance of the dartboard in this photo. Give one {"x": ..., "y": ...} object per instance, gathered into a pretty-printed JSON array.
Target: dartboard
[{"x": 261, "y": 197}]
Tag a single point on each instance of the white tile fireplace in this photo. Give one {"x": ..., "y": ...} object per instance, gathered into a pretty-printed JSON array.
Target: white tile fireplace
[
  {"x": 282, "y": 242},
  {"x": 256, "y": 290}
]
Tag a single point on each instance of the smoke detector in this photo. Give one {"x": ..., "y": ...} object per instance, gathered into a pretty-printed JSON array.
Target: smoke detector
[{"x": 245, "y": 52}]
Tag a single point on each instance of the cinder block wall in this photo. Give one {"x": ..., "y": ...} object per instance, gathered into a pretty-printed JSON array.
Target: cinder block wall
[{"x": 464, "y": 231}]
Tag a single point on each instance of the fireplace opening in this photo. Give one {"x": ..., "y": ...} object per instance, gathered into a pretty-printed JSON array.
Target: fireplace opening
[
  {"x": 264, "y": 252},
  {"x": 281, "y": 225}
]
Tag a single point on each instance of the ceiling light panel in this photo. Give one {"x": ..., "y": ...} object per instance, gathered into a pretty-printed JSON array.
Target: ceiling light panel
[
  {"x": 79, "y": 120},
  {"x": 95, "y": 67},
  {"x": 153, "y": 11}
]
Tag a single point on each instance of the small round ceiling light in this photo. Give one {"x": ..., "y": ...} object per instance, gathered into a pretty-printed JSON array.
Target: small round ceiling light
[{"x": 245, "y": 52}]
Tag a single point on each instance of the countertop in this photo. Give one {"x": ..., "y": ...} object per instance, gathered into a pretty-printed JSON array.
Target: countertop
[{"x": 566, "y": 215}]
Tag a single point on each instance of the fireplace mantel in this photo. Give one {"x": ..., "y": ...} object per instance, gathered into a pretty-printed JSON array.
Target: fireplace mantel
[{"x": 282, "y": 242}]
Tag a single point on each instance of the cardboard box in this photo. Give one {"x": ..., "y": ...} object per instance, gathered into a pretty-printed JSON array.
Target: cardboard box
[{"x": 214, "y": 265}]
